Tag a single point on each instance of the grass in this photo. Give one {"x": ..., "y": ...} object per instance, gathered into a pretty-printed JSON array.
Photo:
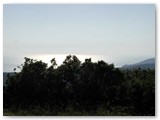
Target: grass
[{"x": 69, "y": 111}]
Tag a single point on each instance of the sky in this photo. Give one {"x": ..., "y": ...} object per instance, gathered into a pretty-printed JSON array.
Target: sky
[{"x": 116, "y": 33}]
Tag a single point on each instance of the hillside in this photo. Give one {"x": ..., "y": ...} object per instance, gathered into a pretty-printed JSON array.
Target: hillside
[{"x": 145, "y": 64}]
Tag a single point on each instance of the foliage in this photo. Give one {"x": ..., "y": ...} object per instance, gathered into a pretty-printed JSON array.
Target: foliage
[{"x": 75, "y": 88}]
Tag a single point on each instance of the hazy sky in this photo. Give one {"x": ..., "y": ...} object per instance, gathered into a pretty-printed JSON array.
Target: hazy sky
[{"x": 119, "y": 34}]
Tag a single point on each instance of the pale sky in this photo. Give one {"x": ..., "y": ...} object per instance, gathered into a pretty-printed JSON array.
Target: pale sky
[{"x": 116, "y": 33}]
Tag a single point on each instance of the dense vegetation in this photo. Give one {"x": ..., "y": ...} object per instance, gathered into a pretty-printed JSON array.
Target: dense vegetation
[{"x": 75, "y": 88}]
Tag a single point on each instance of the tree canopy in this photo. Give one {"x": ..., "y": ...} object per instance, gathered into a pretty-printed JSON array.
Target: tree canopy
[{"x": 85, "y": 86}]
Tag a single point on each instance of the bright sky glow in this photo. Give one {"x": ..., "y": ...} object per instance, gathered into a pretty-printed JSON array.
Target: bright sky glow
[
  {"x": 61, "y": 57},
  {"x": 119, "y": 34}
]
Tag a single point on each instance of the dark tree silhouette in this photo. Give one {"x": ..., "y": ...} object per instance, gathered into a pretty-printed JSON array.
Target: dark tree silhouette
[{"x": 88, "y": 86}]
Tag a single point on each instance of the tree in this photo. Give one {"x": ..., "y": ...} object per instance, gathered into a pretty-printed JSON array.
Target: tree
[{"x": 83, "y": 86}]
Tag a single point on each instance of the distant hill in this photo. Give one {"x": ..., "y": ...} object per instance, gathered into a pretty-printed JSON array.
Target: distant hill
[{"x": 145, "y": 64}]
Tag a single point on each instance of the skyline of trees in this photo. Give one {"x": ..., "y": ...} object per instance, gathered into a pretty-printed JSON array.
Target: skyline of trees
[{"x": 88, "y": 87}]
